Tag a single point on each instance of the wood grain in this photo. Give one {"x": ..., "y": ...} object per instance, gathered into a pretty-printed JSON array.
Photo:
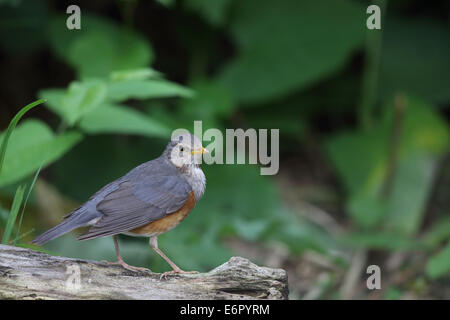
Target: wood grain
[{"x": 29, "y": 274}]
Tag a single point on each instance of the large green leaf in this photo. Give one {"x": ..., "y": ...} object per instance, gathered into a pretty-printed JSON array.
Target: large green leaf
[
  {"x": 134, "y": 74},
  {"x": 289, "y": 44},
  {"x": 110, "y": 118},
  {"x": 368, "y": 210},
  {"x": 31, "y": 145},
  {"x": 423, "y": 128},
  {"x": 100, "y": 47},
  {"x": 146, "y": 89},
  {"x": 410, "y": 192},
  {"x": 79, "y": 99}
]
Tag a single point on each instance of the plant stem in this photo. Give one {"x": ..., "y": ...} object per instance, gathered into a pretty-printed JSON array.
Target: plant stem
[
  {"x": 371, "y": 71},
  {"x": 400, "y": 106}
]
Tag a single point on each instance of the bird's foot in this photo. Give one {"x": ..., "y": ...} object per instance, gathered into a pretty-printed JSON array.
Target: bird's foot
[
  {"x": 127, "y": 266},
  {"x": 176, "y": 271}
]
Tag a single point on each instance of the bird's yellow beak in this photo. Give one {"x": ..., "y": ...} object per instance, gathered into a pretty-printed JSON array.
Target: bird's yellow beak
[{"x": 200, "y": 151}]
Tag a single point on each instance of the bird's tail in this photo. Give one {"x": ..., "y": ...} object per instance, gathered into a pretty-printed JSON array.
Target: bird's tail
[
  {"x": 73, "y": 221},
  {"x": 56, "y": 231}
]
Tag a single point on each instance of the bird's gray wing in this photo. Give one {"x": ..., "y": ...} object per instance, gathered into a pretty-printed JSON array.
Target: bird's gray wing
[{"x": 136, "y": 202}]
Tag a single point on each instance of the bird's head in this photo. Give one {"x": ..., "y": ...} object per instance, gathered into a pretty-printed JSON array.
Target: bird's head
[{"x": 185, "y": 150}]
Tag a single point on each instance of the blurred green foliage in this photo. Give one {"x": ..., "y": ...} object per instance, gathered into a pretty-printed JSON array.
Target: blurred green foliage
[
  {"x": 293, "y": 65},
  {"x": 363, "y": 159},
  {"x": 262, "y": 37}
]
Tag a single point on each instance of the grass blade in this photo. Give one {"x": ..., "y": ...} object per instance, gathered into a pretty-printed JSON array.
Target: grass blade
[
  {"x": 30, "y": 188},
  {"x": 12, "y": 125},
  {"x": 18, "y": 197}
]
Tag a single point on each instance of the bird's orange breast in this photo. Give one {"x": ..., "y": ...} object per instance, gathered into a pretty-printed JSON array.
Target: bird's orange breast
[{"x": 168, "y": 222}]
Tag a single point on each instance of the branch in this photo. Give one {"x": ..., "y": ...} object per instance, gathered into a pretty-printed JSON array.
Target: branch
[{"x": 29, "y": 274}]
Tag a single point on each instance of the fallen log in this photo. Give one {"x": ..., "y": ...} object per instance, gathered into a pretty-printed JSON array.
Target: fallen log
[{"x": 29, "y": 274}]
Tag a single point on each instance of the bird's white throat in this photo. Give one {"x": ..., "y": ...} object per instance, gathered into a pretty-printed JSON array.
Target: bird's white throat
[{"x": 196, "y": 178}]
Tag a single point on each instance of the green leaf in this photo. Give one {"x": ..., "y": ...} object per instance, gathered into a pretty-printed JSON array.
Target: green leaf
[
  {"x": 366, "y": 210},
  {"x": 360, "y": 159},
  {"x": 288, "y": 45},
  {"x": 424, "y": 140},
  {"x": 109, "y": 118},
  {"x": 81, "y": 98},
  {"x": 115, "y": 48},
  {"x": 146, "y": 89},
  {"x": 31, "y": 145},
  {"x": 135, "y": 74},
  {"x": 78, "y": 100},
  {"x": 424, "y": 128},
  {"x": 410, "y": 192},
  {"x": 54, "y": 98},
  {"x": 13, "y": 214},
  {"x": 439, "y": 264}
]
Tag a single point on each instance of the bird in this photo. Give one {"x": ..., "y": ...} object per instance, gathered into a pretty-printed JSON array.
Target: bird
[{"x": 149, "y": 200}]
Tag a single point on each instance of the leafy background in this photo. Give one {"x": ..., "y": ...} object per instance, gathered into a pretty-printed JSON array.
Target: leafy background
[{"x": 363, "y": 118}]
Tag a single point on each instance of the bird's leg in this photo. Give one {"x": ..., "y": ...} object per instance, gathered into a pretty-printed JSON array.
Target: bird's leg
[
  {"x": 120, "y": 260},
  {"x": 154, "y": 244}
]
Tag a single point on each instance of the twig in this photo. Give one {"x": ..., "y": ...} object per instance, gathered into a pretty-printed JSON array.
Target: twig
[{"x": 353, "y": 274}]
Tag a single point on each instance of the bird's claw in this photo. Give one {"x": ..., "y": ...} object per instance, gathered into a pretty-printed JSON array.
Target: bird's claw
[
  {"x": 179, "y": 271},
  {"x": 127, "y": 266}
]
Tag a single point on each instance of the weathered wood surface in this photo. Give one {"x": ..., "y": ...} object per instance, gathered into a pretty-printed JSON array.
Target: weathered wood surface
[{"x": 29, "y": 274}]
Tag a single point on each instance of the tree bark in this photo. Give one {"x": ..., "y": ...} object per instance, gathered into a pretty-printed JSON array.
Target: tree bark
[{"x": 29, "y": 274}]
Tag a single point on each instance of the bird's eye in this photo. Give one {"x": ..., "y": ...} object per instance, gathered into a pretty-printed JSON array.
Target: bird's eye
[{"x": 181, "y": 149}]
